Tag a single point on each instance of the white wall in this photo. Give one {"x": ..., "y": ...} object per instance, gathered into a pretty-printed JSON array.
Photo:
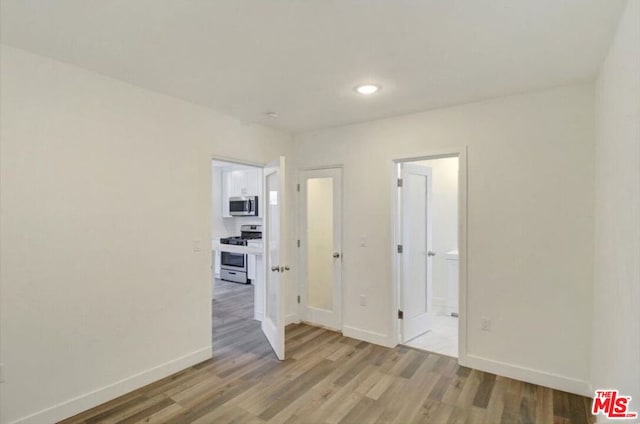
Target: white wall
[
  {"x": 530, "y": 224},
  {"x": 616, "y": 336},
  {"x": 444, "y": 188},
  {"x": 104, "y": 188}
]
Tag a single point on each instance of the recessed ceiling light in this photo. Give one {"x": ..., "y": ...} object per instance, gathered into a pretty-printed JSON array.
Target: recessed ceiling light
[
  {"x": 367, "y": 89},
  {"x": 272, "y": 115}
]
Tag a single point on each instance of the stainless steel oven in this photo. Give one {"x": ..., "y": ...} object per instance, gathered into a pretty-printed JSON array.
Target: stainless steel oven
[{"x": 233, "y": 267}]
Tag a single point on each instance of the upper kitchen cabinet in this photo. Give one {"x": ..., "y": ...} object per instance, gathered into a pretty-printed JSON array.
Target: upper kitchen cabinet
[
  {"x": 238, "y": 183},
  {"x": 242, "y": 182}
]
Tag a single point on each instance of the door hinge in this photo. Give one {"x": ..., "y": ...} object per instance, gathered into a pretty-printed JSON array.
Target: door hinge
[
  {"x": 400, "y": 248},
  {"x": 298, "y": 298},
  {"x": 298, "y": 243},
  {"x": 400, "y": 314},
  {"x": 298, "y": 187},
  {"x": 399, "y": 182}
]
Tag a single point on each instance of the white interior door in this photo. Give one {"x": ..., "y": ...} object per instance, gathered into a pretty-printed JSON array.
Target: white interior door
[
  {"x": 275, "y": 255},
  {"x": 321, "y": 246},
  {"x": 416, "y": 249}
]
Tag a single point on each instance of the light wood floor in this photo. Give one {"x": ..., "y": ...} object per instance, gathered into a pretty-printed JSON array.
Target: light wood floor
[{"x": 328, "y": 378}]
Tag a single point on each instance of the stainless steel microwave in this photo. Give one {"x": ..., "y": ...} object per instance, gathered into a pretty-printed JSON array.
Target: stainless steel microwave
[{"x": 243, "y": 206}]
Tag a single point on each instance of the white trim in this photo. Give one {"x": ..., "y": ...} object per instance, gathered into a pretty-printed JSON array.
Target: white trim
[
  {"x": 238, "y": 161},
  {"x": 291, "y": 319},
  {"x": 319, "y": 168},
  {"x": 104, "y": 394},
  {"x": 529, "y": 375},
  {"x": 368, "y": 336},
  {"x": 461, "y": 154}
]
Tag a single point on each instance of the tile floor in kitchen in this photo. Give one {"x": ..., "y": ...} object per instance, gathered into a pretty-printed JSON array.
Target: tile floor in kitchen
[{"x": 441, "y": 338}]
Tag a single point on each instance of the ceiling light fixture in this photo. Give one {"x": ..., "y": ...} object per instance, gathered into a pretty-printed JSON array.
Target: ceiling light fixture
[
  {"x": 367, "y": 89},
  {"x": 272, "y": 115}
]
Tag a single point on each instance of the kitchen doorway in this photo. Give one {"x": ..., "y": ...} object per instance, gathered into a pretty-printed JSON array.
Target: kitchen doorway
[
  {"x": 320, "y": 246},
  {"x": 237, "y": 258},
  {"x": 428, "y": 240}
]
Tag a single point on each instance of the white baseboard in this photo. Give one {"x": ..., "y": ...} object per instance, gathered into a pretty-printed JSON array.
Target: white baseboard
[
  {"x": 368, "y": 336},
  {"x": 529, "y": 375},
  {"x": 97, "y": 397},
  {"x": 291, "y": 319}
]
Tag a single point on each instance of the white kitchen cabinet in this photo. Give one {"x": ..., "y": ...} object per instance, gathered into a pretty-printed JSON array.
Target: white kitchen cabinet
[
  {"x": 239, "y": 183},
  {"x": 251, "y": 267},
  {"x": 243, "y": 182},
  {"x": 252, "y": 261},
  {"x": 216, "y": 264}
]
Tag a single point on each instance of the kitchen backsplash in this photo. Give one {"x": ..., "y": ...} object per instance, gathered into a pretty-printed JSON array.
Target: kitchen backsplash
[{"x": 231, "y": 226}]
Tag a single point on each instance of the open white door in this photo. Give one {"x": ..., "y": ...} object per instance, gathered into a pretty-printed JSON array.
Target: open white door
[
  {"x": 416, "y": 249},
  {"x": 273, "y": 322}
]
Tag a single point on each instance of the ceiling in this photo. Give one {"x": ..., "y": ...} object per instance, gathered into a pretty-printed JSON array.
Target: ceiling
[{"x": 302, "y": 59}]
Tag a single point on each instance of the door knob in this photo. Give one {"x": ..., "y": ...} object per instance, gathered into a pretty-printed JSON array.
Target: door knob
[
  {"x": 431, "y": 253},
  {"x": 336, "y": 255},
  {"x": 275, "y": 269},
  {"x": 284, "y": 268}
]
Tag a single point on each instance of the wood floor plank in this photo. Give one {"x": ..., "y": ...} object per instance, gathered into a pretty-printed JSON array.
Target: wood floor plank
[
  {"x": 485, "y": 389},
  {"x": 469, "y": 391},
  {"x": 418, "y": 389},
  {"x": 560, "y": 404},
  {"x": 162, "y": 416},
  {"x": 328, "y": 378},
  {"x": 298, "y": 387},
  {"x": 495, "y": 406},
  {"x": 380, "y": 387},
  {"x": 365, "y": 411},
  {"x": 441, "y": 387},
  {"x": 527, "y": 410}
]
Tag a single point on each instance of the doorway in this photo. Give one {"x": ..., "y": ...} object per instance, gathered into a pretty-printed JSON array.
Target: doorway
[
  {"x": 245, "y": 196},
  {"x": 427, "y": 253},
  {"x": 320, "y": 245},
  {"x": 236, "y": 246}
]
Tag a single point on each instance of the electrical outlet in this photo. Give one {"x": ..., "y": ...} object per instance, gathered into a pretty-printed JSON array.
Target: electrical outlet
[
  {"x": 363, "y": 241},
  {"x": 363, "y": 300},
  {"x": 2, "y": 379},
  {"x": 196, "y": 246},
  {"x": 485, "y": 324}
]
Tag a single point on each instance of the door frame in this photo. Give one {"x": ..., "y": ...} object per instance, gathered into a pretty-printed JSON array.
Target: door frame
[
  {"x": 300, "y": 261},
  {"x": 396, "y": 229}
]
